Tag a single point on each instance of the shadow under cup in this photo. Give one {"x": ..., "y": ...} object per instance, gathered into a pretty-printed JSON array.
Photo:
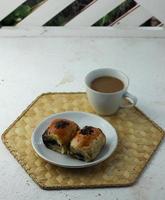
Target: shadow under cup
[{"x": 107, "y": 103}]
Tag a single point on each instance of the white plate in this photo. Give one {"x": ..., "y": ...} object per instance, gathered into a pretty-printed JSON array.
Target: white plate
[{"x": 82, "y": 119}]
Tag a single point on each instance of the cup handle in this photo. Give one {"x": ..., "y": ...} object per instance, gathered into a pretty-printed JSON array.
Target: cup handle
[{"x": 132, "y": 98}]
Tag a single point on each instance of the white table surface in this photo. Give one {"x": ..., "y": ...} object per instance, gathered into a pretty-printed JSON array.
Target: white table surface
[{"x": 31, "y": 66}]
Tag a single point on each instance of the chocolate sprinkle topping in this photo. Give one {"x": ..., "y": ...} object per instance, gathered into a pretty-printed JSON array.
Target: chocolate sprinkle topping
[
  {"x": 61, "y": 124},
  {"x": 87, "y": 130}
]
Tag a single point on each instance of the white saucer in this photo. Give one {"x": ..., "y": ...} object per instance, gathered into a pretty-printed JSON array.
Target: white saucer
[{"x": 82, "y": 119}]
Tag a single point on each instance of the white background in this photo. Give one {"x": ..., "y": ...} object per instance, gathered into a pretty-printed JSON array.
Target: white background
[{"x": 30, "y": 66}]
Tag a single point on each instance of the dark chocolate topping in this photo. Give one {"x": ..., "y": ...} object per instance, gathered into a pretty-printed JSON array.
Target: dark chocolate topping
[
  {"x": 61, "y": 124},
  {"x": 87, "y": 130}
]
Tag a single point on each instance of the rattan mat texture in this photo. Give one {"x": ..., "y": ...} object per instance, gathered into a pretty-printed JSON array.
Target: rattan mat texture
[{"x": 138, "y": 139}]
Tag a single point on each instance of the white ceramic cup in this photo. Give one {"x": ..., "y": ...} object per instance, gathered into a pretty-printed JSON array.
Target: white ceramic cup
[{"x": 108, "y": 103}]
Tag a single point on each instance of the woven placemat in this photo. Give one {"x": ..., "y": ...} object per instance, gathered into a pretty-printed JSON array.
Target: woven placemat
[{"x": 138, "y": 139}]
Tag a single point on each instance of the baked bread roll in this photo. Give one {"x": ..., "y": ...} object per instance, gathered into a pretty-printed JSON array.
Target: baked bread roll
[
  {"x": 87, "y": 143},
  {"x": 58, "y": 135}
]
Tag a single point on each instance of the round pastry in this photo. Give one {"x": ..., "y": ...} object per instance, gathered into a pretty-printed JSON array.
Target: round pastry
[
  {"x": 87, "y": 143},
  {"x": 58, "y": 135}
]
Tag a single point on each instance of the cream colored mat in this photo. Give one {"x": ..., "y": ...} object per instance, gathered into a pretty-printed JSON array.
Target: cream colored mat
[{"x": 138, "y": 139}]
